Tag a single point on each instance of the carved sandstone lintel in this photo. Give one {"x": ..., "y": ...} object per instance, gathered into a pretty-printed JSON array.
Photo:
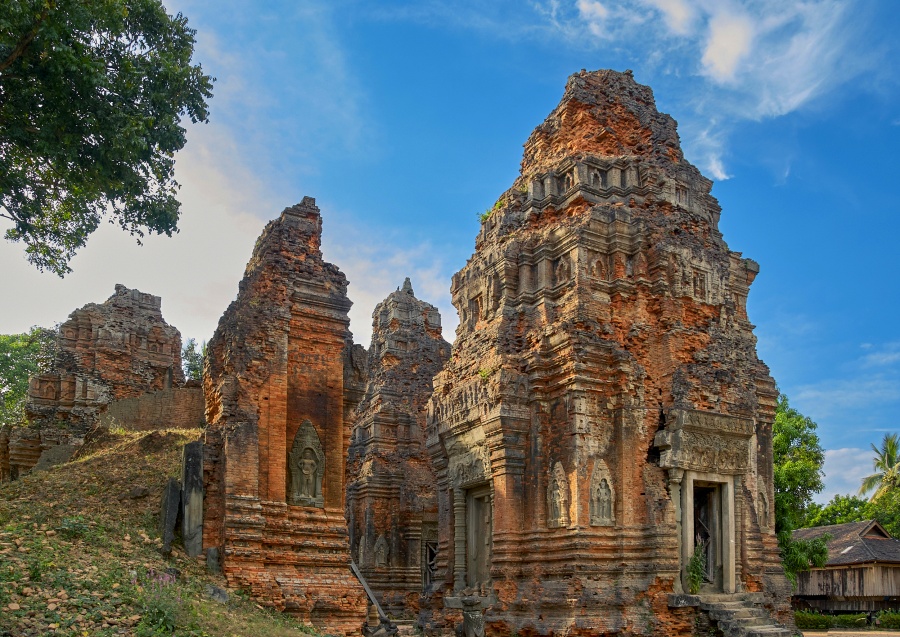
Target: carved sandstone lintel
[
  {"x": 470, "y": 468},
  {"x": 705, "y": 441}
]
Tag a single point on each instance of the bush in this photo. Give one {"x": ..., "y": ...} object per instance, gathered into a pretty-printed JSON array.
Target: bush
[
  {"x": 696, "y": 569},
  {"x": 807, "y": 620},
  {"x": 856, "y": 620},
  {"x": 888, "y": 619},
  {"x": 73, "y": 527}
]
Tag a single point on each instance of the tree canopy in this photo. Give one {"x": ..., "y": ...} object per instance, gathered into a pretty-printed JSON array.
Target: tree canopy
[
  {"x": 92, "y": 96},
  {"x": 840, "y": 510},
  {"x": 798, "y": 458},
  {"x": 21, "y": 356},
  {"x": 192, "y": 357}
]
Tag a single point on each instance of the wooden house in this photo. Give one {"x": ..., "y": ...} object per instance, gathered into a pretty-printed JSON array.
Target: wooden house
[{"x": 862, "y": 572}]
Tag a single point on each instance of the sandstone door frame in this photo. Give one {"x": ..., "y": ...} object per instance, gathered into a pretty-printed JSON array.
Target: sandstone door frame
[
  {"x": 724, "y": 484},
  {"x": 479, "y": 529}
]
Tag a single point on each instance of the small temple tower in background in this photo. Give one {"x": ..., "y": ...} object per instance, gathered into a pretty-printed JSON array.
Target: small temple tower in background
[{"x": 391, "y": 495}]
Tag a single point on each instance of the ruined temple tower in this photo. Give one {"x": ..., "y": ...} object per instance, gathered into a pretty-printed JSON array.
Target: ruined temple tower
[
  {"x": 282, "y": 380},
  {"x": 391, "y": 499},
  {"x": 604, "y": 409},
  {"x": 121, "y": 348}
]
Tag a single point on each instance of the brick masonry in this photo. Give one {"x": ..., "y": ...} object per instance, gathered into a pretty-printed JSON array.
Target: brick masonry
[
  {"x": 281, "y": 381},
  {"x": 604, "y": 399}
]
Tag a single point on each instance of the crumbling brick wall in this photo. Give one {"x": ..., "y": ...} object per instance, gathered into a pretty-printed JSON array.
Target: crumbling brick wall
[{"x": 280, "y": 377}]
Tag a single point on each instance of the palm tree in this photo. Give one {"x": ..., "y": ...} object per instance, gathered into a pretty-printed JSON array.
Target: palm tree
[{"x": 887, "y": 468}]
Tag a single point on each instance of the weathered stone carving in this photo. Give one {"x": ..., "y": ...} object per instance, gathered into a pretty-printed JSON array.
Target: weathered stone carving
[
  {"x": 473, "y": 467},
  {"x": 306, "y": 463},
  {"x": 704, "y": 441},
  {"x": 381, "y": 552},
  {"x": 557, "y": 497},
  {"x": 602, "y": 285},
  {"x": 602, "y": 496}
]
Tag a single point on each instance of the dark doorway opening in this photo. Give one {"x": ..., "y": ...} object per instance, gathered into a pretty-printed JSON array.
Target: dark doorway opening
[{"x": 708, "y": 532}]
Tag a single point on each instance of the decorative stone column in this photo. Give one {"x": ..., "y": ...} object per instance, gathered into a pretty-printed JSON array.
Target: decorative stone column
[{"x": 459, "y": 539}]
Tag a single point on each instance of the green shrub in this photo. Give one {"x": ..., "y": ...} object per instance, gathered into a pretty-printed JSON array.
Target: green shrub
[
  {"x": 855, "y": 620},
  {"x": 809, "y": 620},
  {"x": 696, "y": 569},
  {"x": 888, "y": 619},
  {"x": 73, "y": 527}
]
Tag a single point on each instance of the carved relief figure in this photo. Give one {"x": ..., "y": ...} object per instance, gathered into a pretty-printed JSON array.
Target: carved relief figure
[
  {"x": 306, "y": 467},
  {"x": 763, "y": 512},
  {"x": 557, "y": 497},
  {"x": 380, "y": 551},
  {"x": 602, "y": 496}
]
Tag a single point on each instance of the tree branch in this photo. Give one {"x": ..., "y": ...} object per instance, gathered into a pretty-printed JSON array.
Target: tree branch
[{"x": 24, "y": 42}]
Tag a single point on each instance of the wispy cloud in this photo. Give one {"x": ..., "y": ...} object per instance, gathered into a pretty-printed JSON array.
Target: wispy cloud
[
  {"x": 377, "y": 269},
  {"x": 844, "y": 470},
  {"x": 737, "y": 60},
  {"x": 888, "y": 354}
]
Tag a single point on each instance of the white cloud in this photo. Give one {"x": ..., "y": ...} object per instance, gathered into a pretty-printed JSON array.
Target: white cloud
[
  {"x": 678, "y": 13},
  {"x": 728, "y": 43},
  {"x": 592, "y": 10},
  {"x": 844, "y": 470},
  {"x": 738, "y": 59},
  {"x": 375, "y": 269},
  {"x": 887, "y": 355},
  {"x": 831, "y": 396}
]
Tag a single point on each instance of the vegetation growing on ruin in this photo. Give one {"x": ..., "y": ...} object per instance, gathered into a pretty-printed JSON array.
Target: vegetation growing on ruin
[
  {"x": 487, "y": 213},
  {"x": 696, "y": 569},
  {"x": 79, "y": 557}
]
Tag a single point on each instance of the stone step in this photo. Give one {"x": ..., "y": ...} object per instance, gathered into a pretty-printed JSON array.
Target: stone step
[
  {"x": 768, "y": 630},
  {"x": 740, "y": 613},
  {"x": 732, "y": 605},
  {"x": 405, "y": 627},
  {"x": 738, "y": 616},
  {"x": 746, "y": 621}
]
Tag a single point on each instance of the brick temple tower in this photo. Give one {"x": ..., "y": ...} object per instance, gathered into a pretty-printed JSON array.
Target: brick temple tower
[{"x": 604, "y": 410}]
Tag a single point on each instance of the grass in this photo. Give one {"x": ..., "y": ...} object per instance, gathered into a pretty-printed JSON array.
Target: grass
[{"x": 77, "y": 560}]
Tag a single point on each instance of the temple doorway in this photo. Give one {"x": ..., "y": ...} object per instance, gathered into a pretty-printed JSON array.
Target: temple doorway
[
  {"x": 708, "y": 532},
  {"x": 479, "y": 531}
]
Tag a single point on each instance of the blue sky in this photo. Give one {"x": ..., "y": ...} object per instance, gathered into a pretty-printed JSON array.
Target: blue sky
[{"x": 407, "y": 119}]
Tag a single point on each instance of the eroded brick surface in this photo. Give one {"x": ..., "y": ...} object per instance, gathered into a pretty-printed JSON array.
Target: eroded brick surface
[
  {"x": 281, "y": 380},
  {"x": 391, "y": 501},
  {"x": 603, "y": 380},
  {"x": 121, "y": 348}
]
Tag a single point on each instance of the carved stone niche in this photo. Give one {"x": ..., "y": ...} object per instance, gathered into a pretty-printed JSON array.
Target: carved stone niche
[
  {"x": 557, "y": 497},
  {"x": 705, "y": 441},
  {"x": 603, "y": 496},
  {"x": 306, "y": 467}
]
